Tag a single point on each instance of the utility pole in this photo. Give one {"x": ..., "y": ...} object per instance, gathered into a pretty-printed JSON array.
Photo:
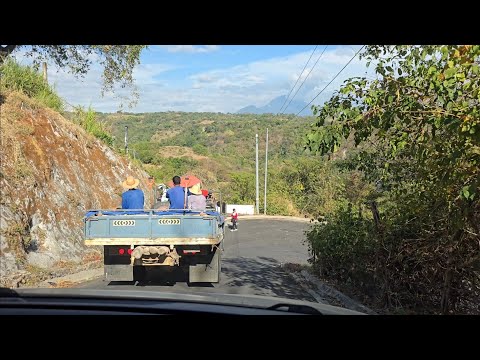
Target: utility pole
[
  {"x": 126, "y": 140},
  {"x": 45, "y": 78},
  {"x": 257, "y": 201},
  {"x": 266, "y": 163}
]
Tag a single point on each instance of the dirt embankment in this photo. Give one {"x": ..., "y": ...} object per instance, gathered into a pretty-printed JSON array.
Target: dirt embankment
[{"x": 51, "y": 172}]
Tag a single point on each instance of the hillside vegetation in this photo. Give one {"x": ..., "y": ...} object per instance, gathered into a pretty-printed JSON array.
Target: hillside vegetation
[{"x": 220, "y": 149}]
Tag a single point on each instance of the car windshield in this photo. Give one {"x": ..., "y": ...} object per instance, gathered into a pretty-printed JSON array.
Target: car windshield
[{"x": 344, "y": 175}]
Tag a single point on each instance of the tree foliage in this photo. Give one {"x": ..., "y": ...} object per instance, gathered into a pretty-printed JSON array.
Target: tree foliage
[
  {"x": 117, "y": 61},
  {"x": 417, "y": 129}
]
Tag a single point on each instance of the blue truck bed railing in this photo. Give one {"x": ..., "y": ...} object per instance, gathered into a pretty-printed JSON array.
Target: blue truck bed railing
[
  {"x": 97, "y": 212},
  {"x": 135, "y": 227}
]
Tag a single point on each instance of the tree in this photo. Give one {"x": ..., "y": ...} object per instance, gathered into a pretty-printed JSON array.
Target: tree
[
  {"x": 424, "y": 96},
  {"x": 243, "y": 188},
  {"x": 118, "y": 62},
  {"x": 417, "y": 126}
]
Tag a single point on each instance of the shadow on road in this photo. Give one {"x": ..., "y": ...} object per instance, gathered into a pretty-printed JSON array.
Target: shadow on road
[
  {"x": 241, "y": 275},
  {"x": 115, "y": 283},
  {"x": 262, "y": 274},
  {"x": 162, "y": 276}
]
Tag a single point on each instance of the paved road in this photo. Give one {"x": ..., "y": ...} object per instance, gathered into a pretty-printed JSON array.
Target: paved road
[{"x": 250, "y": 263}]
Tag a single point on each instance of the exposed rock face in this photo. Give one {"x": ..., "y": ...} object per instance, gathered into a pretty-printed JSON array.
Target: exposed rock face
[{"x": 51, "y": 171}]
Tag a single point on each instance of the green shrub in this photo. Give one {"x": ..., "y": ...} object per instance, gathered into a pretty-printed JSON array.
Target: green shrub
[
  {"x": 172, "y": 166},
  {"x": 200, "y": 149},
  {"x": 343, "y": 246},
  {"x": 87, "y": 119},
  {"x": 27, "y": 80}
]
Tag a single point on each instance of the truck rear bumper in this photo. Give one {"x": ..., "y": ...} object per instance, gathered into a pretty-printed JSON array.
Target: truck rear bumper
[{"x": 154, "y": 241}]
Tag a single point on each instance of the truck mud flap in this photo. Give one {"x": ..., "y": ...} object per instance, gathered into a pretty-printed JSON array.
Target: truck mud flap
[
  {"x": 206, "y": 272},
  {"x": 118, "y": 272}
]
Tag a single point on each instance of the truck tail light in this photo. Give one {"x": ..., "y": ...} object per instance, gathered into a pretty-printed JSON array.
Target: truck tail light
[
  {"x": 190, "y": 252},
  {"x": 121, "y": 251},
  {"x": 129, "y": 251}
]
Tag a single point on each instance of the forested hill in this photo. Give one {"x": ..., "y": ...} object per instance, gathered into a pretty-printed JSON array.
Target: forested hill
[
  {"x": 210, "y": 134},
  {"x": 219, "y": 148}
]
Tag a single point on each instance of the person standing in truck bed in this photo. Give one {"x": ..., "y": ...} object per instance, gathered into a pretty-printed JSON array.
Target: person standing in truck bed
[{"x": 133, "y": 198}]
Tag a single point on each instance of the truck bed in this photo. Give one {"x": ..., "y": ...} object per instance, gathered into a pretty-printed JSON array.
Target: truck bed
[{"x": 152, "y": 227}]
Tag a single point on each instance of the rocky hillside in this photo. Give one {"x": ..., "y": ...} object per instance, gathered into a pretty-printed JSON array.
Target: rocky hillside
[{"x": 51, "y": 172}]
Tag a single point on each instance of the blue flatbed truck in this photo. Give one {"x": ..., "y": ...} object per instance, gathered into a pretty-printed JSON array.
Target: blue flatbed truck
[{"x": 137, "y": 239}]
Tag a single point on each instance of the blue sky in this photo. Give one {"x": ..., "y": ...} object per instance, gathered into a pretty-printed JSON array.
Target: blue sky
[{"x": 218, "y": 78}]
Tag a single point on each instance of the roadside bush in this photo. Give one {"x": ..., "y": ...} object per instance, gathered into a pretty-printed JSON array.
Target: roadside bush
[
  {"x": 416, "y": 129},
  {"x": 343, "y": 246},
  {"x": 398, "y": 261},
  {"x": 279, "y": 204}
]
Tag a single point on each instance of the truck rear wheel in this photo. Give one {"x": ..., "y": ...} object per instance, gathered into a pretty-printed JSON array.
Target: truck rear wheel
[
  {"x": 118, "y": 272},
  {"x": 206, "y": 272}
]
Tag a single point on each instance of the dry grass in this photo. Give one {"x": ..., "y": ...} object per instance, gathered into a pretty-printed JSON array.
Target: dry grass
[
  {"x": 73, "y": 198},
  {"x": 179, "y": 152},
  {"x": 10, "y": 114},
  {"x": 42, "y": 235},
  {"x": 15, "y": 108},
  {"x": 35, "y": 275},
  {"x": 25, "y": 129},
  {"x": 92, "y": 257},
  {"x": 22, "y": 170},
  {"x": 63, "y": 284},
  {"x": 65, "y": 264},
  {"x": 18, "y": 239},
  {"x": 163, "y": 135}
]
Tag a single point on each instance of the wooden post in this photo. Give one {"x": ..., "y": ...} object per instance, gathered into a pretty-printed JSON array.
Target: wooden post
[{"x": 45, "y": 77}]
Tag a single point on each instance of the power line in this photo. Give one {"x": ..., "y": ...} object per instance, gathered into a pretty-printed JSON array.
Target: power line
[
  {"x": 332, "y": 79},
  {"x": 299, "y": 76},
  {"x": 296, "y": 92}
]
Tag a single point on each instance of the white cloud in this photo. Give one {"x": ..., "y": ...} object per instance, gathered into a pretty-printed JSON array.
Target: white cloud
[
  {"x": 86, "y": 90},
  {"x": 191, "y": 48},
  {"x": 219, "y": 90},
  {"x": 258, "y": 82},
  {"x": 146, "y": 73}
]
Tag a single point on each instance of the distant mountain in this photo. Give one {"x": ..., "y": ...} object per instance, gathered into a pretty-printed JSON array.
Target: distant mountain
[
  {"x": 274, "y": 106},
  {"x": 249, "y": 110}
]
